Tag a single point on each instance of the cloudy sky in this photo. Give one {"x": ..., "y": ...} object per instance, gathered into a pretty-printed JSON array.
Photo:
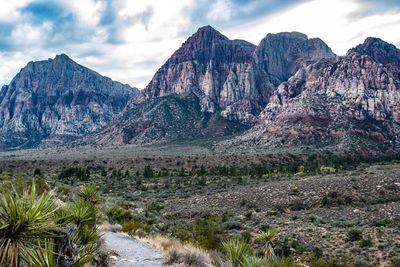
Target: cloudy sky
[{"x": 128, "y": 40}]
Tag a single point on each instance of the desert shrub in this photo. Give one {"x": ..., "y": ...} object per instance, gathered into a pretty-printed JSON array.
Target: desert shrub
[
  {"x": 288, "y": 246},
  {"x": 64, "y": 189},
  {"x": 237, "y": 250},
  {"x": 245, "y": 235},
  {"x": 327, "y": 169},
  {"x": 118, "y": 215},
  {"x": 207, "y": 233},
  {"x": 297, "y": 206},
  {"x": 252, "y": 261},
  {"x": 234, "y": 225},
  {"x": 300, "y": 170},
  {"x": 187, "y": 256},
  {"x": 37, "y": 172},
  {"x": 268, "y": 238},
  {"x": 74, "y": 172},
  {"x": 154, "y": 206},
  {"x": 319, "y": 262},
  {"x": 395, "y": 262},
  {"x": 283, "y": 262},
  {"x": 383, "y": 222},
  {"x": 354, "y": 235},
  {"x": 148, "y": 172},
  {"x": 131, "y": 227},
  {"x": 366, "y": 242}
]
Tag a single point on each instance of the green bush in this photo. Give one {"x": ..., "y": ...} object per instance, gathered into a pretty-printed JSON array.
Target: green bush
[
  {"x": 131, "y": 227},
  {"x": 354, "y": 235},
  {"x": 154, "y": 206},
  {"x": 208, "y": 233},
  {"x": 118, "y": 215}
]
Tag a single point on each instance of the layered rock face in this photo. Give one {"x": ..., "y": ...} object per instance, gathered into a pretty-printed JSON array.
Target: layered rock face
[
  {"x": 281, "y": 55},
  {"x": 57, "y": 100},
  {"x": 215, "y": 79},
  {"x": 234, "y": 77},
  {"x": 218, "y": 70},
  {"x": 347, "y": 102},
  {"x": 380, "y": 51}
]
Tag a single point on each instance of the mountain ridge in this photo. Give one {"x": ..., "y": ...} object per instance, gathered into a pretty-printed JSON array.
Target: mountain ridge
[
  {"x": 289, "y": 90},
  {"x": 57, "y": 100}
]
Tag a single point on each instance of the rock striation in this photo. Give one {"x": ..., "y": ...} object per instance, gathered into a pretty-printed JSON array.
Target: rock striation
[
  {"x": 227, "y": 80},
  {"x": 349, "y": 102}
]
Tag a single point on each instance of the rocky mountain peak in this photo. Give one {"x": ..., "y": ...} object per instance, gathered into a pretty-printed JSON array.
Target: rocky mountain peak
[
  {"x": 211, "y": 66},
  {"x": 282, "y": 54},
  {"x": 208, "y": 43},
  {"x": 348, "y": 102},
  {"x": 289, "y": 35},
  {"x": 379, "y": 50},
  {"x": 62, "y": 57},
  {"x": 55, "y": 100}
]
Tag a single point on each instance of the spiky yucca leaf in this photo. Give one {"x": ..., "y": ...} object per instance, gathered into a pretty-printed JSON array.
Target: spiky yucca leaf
[
  {"x": 25, "y": 220},
  {"x": 81, "y": 213},
  {"x": 43, "y": 256},
  {"x": 85, "y": 235},
  {"x": 89, "y": 193},
  {"x": 85, "y": 254},
  {"x": 237, "y": 250},
  {"x": 252, "y": 261},
  {"x": 269, "y": 238}
]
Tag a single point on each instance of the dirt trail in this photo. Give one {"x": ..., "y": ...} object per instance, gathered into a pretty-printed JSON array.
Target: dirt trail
[{"x": 131, "y": 252}]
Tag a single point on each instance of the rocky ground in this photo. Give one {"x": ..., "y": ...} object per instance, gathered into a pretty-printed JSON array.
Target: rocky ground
[
  {"x": 352, "y": 214},
  {"x": 317, "y": 211}
]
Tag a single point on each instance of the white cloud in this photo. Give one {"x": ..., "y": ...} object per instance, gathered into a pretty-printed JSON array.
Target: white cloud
[
  {"x": 331, "y": 20},
  {"x": 142, "y": 34},
  {"x": 220, "y": 10},
  {"x": 8, "y": 9}
]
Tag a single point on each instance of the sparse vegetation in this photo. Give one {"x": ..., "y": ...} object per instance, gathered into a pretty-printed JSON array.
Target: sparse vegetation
[{"x": 305, "y": 207}]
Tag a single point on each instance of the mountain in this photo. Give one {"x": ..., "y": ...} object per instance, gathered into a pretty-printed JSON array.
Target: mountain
[
  {"x": 350, "y": 103},
  {"x": 161, "y": 119},
  {"x": 216, "y": 80},
  {"x": 57, "y": 100},
  {"x": 380, "y": 51},
  {"x": 218, "y": 70},
  {"x": 282, "y": 54}
]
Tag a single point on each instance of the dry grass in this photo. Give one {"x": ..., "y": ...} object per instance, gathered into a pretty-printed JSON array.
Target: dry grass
[{"x": 180, "y": 254}]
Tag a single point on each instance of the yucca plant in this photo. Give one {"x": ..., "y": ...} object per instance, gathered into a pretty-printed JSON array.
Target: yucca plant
[
  {"x": 85, "y": 234},
  {"x": 269, "y": 237},
  {"x": 252, "y": 261},
  {"x": 237, "y": 250},
  {"x": 43, "y": 257},
  {"x": 85, "y": 254},
  {"x": 26, "y": 221},
  {"x": 80, "y": 213},
  {"x": 89, "y": 193}
]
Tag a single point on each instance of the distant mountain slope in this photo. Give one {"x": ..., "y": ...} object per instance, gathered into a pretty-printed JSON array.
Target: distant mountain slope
[
  {"x": 162, "y": 119},
  {"x": 57, "y": 100},
  {"x": 218, "y": 78},
  {"x": 350, "y": 103}
]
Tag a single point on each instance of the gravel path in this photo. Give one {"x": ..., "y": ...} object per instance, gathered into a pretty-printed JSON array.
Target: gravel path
[{"x": 131, "y": 252}]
